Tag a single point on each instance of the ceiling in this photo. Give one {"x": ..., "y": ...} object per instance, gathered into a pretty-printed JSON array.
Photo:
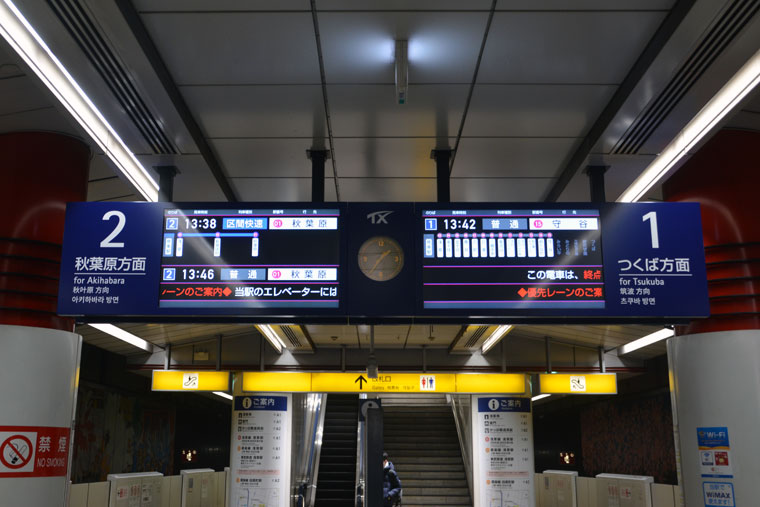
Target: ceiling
[{"x": 528, "y": 92}]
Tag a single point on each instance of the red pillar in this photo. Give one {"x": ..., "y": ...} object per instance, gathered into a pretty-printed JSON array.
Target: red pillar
[
  {"x": 724, "y": 177},
  {"x": 40, "y": 173}
]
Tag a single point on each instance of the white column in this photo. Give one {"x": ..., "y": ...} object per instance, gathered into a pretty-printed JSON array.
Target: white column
[
  {"x": 39, "y": 377},
  {"x": 715, "y": 388}
]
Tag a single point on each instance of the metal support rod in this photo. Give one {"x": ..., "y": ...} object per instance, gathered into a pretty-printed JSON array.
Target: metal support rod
[
  {"x": 261, "y": 352},
  {"x": 595, "y": 175},
  {"x": 168, "y": 357},
  {"x": 343, "y": 358},
  {"x": 424, "y": 359},
  {"x": 372, "y": 340},
  {"x": 503, "y": 356},
  {"x": 442, "y": 159},
  {"x": 218, "y": 352},
  {"x": 548, "y": 355},
  {"x": 318, "y": 158},
  {"x": 166, "y": 174},
  {"x": 602, "y": 366}
]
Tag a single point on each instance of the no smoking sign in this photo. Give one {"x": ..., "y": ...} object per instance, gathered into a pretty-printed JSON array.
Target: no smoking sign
[
  {"x": 34, "y": 451},
  {"x": 17, "y": 451}
]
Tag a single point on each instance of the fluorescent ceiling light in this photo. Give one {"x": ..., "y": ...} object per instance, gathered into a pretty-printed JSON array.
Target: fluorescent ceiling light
[
  {"x": 122, "y": 335},
  {"x": 271, "y": 337},
  {"x": 734, "y": 91},
  {"x": 644, "y": 341},
  {"x": 497, "y": 335},
  {"x": 223, "y": 395},
  {"x": 32, "y": 49},
  {"x": 540, "y": 397}
]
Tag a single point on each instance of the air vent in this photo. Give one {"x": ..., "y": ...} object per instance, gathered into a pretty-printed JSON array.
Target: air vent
[
  {"x": 292, "y": 338},
  {"x": 81, "y": 27},
  {"x": 477, "y": 335},
  {"x": 722, "y": 33}
]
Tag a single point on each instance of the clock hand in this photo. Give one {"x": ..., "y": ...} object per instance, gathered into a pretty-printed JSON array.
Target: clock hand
[{"x": 378, "y": 260}]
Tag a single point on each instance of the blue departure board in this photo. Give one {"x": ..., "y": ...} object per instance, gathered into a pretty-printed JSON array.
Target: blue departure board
[{"x": 453, "y": 262}]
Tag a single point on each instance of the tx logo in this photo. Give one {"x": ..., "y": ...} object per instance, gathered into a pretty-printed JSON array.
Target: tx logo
[{"x": 379, "y": 217}]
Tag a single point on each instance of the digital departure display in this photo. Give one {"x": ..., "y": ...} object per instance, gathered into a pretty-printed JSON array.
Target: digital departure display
[
  {"x": 525, "y": 259},
  {"x": 250, "y": 258}
]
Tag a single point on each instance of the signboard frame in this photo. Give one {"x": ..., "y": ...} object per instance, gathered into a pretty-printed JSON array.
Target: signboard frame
[{"x": 363, "y": 300}]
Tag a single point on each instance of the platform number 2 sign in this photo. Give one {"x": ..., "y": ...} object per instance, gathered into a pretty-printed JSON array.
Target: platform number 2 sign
[{"x": 120, "y": 223}]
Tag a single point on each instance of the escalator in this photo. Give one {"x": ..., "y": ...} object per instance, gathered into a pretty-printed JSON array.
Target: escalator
[{"x": 337, "y": 463}]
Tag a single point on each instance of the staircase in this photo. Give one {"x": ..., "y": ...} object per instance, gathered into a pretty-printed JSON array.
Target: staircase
[
  {"x": 337, "y": 462},
  {"x": 422, "y": 443}
]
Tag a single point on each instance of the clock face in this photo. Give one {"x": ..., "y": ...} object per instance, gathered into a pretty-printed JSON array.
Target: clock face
[{"x": 381, "y": 258}]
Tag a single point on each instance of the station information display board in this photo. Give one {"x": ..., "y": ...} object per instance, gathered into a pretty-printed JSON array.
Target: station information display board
[
  {"x": 255, "y": 258},
  {"x": 512, "y": 259},
  {"x": 166, "y": 260},
  {"x": 376, "y": 262}
]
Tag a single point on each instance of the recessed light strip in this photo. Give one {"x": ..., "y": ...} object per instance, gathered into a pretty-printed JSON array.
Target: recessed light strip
[
  {"x": 223, "y": 395},
  {"x": 497, "y": 335},
  {"x": 722, "y": 103},
  {"x": 125, "y": 336},
  {"x": 540, "y": 397},
  {"x": 32, "y": 49},
  {"x": 644, "y": 341},
  {"x": 271, "y": 337}
]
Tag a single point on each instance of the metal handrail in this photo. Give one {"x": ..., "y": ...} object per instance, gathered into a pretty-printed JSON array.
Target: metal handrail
[
  {"x": 463, "y": 423},
  {"x": 361, "y": 444},
  {"x": 313, "y": 426}
]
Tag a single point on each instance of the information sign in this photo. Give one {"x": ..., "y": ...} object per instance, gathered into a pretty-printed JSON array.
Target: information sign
[
  {"x": 406, "y": 262},
  {"x": 569, "y": 260},
  {"x": 408, "y": 383},
  {"x": 578, "y": 383},
  {"x": 161, "y": 259},
  {"x": 503, "y": 451},
  {"x": 34, "y": 451},
  {"x": 177, "y": 380},
  {"x": 260, "y": 453}
]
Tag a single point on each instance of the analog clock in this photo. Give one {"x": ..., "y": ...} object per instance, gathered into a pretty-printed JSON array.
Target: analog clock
[{"x": 381, "y": 258}]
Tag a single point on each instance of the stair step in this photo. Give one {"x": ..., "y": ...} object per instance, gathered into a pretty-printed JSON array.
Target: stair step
[
  {"x": 410, "y": 492},
  {"x": 436, "y": 500},
  {"x": 429, "y": 467},
  {"x": 431, "y": 475},
  {"x": 434, "y": 483}
]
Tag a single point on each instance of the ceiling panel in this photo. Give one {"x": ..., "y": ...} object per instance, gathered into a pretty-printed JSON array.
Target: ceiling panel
[
  {"x": 275, "y": 189},
  {"x": 19, "y": 92},
  {"x": 403, "y": 5},
  {"x": 109, "y": 189},
  {"x": 48, "y": 119},
  {"x": 195, "y": 182},
  {"x": 258, "y": 111},
  {"x": 535, "y": 111},
  {"x": 498, "y": 189},
  {"x": 276, "y": 158},
  {"x": 236, "y": 48},
  {"x": 386, "y": 157},
  {"x": 220, "y": 5},
  {"x": 512, "y": 157},
  {"x": 582, "y": 5},
  {"x": 371, "y": 111},
  {"x": 745, "y": 120},
  {"x": 387, "y": 189},
  {"x": 358, "y": 47},
  {"x": 583, "y": 47}
]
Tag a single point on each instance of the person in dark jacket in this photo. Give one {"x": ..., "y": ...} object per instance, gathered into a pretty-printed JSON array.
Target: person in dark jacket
[{"x": 391, "y": 483}]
